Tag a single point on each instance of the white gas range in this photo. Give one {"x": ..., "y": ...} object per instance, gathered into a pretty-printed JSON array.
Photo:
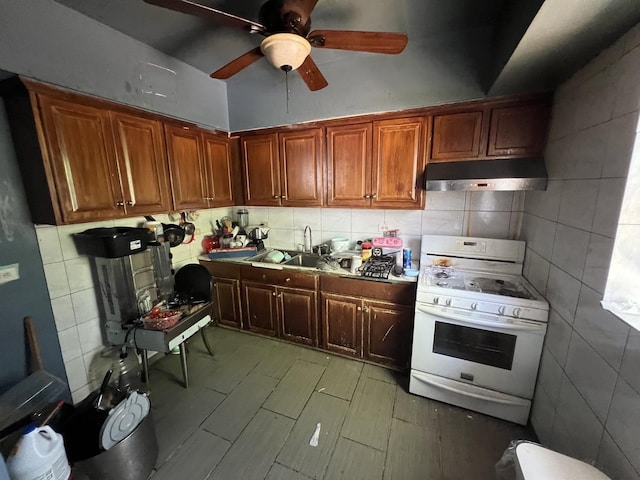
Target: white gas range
[{"x": 479, "y": 326}]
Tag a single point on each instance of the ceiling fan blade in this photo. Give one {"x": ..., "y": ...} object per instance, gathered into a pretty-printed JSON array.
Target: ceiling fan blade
[
  {"x": 192, "y": 8},
  {"x": 302, "y": 7},
  {"x": 311, "y": 75},
  {"x": 234, "y": 66},
  {"x": 374, "y": 42}
]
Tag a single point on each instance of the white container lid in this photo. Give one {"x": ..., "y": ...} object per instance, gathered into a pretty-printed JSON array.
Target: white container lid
[{"x": 539, "y": 463}]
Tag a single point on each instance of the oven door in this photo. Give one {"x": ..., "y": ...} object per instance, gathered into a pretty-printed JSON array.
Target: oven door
[{"x": 494, "y": 352}]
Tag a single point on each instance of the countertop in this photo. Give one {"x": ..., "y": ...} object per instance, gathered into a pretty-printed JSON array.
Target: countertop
[{"x": 279, "y": 266}]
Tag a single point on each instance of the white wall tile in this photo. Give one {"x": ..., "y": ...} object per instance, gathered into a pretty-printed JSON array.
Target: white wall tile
[
  {"x": 63, "y": 312},
  {"x": 308, "y": 216},
  {"x": 610, "y": 195},
  {"x": 612, "y": 461},
  {"x": 597, "y": 263},
  {"x": 49, "y": 244},
  {"x": 545, "y": 204},
  {"x": 491, "y": 201},
  {"x": 440, "y": 222},
  {"x": 563, "y": 292},
  {"x": 336, "y": 219},
  {"x": 445, "y": 201},
  {"x": 80, "y": 394},
  {"x": 487, "y": 224},
  {"x": 627, "y": 97},
  {"x": 620, "y": 142},
  {"x": 558, "y": 336},
  {"x": 90, "y": 335},
  {"x": 578, "y": 203},
  {"x": 623, "y": 422},
  {"x": 543, "y": 413},
  {"x": 600, "y": 328},
  {"x": 281, "y": 217},
  {"x": 570, "y": 248},
  {"x": 564, "y": 116},
  {"x": 76, "y": 374},
  {"x": 631, "y": 360},
  {"x": 585, "y": 154},
  {"x": 555, "y": 157},
  {"x": 576, "y": 429},
  {"x": 327, "y": 235},
  {"x": 69, "y": 344},
  {"x": 284, "y": 238},
  {"x": 409, "y": 222},
  {"x": 79, "y": 274},
  {"x": 596, "y": 105},
  {"x": 550, "y": 376},
  {"x": 515, "y": 225},
  {"x": 257, "y": 215},
  {"x": 57, "y": 282},
  {"x": 65, "y": 233},
  {"x": 536, "y": 270},
  {"x": 539, "y": 234},
  {"x": 630, "y": 211},
  {"x": 591, "y": 375},
  {"x": 368, "y": 220},
  {"x": 85, "y": 305}
]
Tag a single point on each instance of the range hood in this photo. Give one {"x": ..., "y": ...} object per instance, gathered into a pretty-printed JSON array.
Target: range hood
[{"x": 498, "y": 174}]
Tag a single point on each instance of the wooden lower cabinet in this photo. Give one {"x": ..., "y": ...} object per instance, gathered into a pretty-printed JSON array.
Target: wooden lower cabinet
[
  {"x": 342, "y": 324},
  {"x": 226, "y": 297},
  {"x": 259, "y": 312},
  {"x": 298, "y": 315},
  {"x": 388, "y": 333}
]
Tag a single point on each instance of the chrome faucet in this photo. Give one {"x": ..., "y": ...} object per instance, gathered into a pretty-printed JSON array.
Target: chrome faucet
[{"x": 310, "y": 239}]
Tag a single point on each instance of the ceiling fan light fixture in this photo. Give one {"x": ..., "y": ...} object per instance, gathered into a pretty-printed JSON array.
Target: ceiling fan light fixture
[{"x": 285, "y": 51}]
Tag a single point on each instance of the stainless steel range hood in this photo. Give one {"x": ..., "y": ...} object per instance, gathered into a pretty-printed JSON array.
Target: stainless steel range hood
[{"x": 498, "y": 174}]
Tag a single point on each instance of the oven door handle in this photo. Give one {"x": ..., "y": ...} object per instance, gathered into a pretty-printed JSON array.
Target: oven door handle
[
  {"x": 466, "y": 393},
  {"x": 476, "y": 322}
]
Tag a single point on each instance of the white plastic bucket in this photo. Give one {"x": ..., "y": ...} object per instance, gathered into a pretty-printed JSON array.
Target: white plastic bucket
[{"x": 39, "y": 455}]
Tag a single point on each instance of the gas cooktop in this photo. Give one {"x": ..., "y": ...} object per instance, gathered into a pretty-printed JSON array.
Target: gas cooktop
[{"x": 448, "y": 277}]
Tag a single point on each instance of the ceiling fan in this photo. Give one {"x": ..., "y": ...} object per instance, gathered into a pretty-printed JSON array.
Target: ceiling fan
[{"x": 286, "y": 24}]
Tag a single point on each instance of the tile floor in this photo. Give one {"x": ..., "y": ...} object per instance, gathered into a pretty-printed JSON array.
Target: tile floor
[{"x": 251, "y": 411}]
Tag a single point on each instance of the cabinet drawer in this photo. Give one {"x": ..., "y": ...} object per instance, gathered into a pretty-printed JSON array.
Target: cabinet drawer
[
  {"x": 282, "y": 278},
  {"x": 222, "y": 269},
  {"x": 400, "y": 293}
]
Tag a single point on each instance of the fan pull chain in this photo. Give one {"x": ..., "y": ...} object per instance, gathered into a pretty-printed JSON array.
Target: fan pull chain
[{"x": 286, "y": 83}]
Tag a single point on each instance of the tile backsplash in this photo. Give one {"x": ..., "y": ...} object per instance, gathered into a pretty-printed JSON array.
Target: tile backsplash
[{"x": 75, "y": 302}]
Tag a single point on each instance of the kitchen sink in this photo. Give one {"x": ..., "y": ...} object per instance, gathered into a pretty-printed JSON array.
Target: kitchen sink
[{"x": 303, "y": 260}]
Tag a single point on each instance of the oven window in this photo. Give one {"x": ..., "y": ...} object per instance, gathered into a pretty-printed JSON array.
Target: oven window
[{"x": 475, "y": 345}]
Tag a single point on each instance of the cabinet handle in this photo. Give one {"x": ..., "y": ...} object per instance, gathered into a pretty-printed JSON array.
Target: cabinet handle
[
  {"x": 273, "y": 293},
  {"x": 287, "y": 279},
  {"x": 367, "y": 196},
  {"x": 374, "y": 196},
  {"x": 284, "y": 197},
  {"x": 366, "y": 309},
  {"x": 276, "y": 196},
  {"x": 359, "y": 309},
  {"x": 130, "y": 203},
  {"x": 120, "y": 204}
]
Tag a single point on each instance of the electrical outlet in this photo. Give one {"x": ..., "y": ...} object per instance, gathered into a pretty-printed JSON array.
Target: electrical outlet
[{"x": 383, "y": 227}]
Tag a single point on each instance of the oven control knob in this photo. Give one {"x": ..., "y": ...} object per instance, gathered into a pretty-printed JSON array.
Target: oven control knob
[
  {"x": 516, "y": 312},
  {"x": 501, "y": 310},
  {"x": 447, "y": 302},
  {"x": 436, "y": 300},
  {"x": 474, "y": 306}
]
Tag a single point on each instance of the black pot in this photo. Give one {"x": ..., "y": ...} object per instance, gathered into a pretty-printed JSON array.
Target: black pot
[{"x": 174, "y": 234}]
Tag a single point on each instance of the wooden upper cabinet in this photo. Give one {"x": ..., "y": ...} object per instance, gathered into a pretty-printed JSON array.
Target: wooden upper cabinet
[
  {"x": 85, "y": 175},
  {"x": 186, "y": 162},
  {"x": 457, "y": 136},
  {"x": 218, "y": 159},
  {"x": 518, "y": 130},
  {"x": 398, "y": 163},
  {"x": 261, "y": 169},
  {"x": 301, "y": 167},
  {"x": 349, "y": 165},
  {"x": 142, "y": 162}
]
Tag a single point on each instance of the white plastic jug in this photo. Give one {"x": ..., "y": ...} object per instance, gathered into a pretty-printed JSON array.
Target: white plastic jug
[
  {"x": 39, "y": 455},
  {"x": 4, "y": 475}
]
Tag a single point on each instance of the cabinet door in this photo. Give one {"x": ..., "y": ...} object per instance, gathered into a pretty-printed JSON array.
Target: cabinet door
[
  {"x": 80, "y": 146},
  {"x": 298, "y": 315},
  {"x": 301, "y": 162},
  {"x": 141, "y": 154},
  {"x": 259, "y": 308},
  {"x": 388, "y": 331},
  {"x": 518, "y": 131},
  {"x": 398, "y": 156},
  {"x": 226, "y": 293},
  {"x": 261, "y": 170},
  {"x": 219, "y": 170},
  {"x": 342, "y": 324},
  {"x": 186, "y": 161},
  {"x": 456, "y": 136},
  {"x": 349, "y": 165}
]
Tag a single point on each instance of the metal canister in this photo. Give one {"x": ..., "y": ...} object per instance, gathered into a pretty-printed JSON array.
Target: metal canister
[{"x": 406, "y": 258}]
